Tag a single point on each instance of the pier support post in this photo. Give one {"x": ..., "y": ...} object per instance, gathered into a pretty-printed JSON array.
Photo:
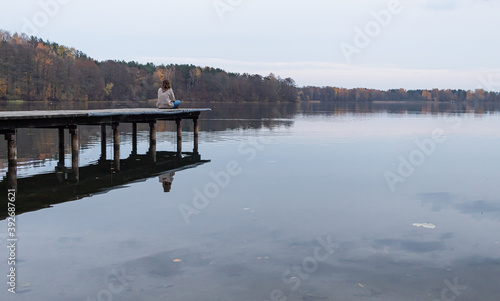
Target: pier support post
[
  {"x": 152, "y": 140},
  {"x": 103, "y": 142},
  {"x": 179, "y": 136},
  {"x": 196, "y": 127},
  {"x": 196, "y": 130},
  {"x": 61, "y": 147},
  {"x": 75, "y": 152},
  {"x": 12, "y": 160},
  {"x": 116, "y": 146},
  {"x": 134, "y": 138}
]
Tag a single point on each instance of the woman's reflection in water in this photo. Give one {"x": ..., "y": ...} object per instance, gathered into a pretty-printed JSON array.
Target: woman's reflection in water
[{"x": 166, "y": 179}]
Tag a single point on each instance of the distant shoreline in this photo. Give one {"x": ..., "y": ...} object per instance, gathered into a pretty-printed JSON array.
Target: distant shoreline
[
  {"x": 409, "y": 101},
  {"x": 152, "y": 101}
]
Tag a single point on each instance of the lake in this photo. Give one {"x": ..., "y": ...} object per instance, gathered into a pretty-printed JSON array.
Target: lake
[{"x": 305, "y": 201}]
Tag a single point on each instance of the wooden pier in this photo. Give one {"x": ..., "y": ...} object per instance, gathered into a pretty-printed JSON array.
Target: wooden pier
[{"x": 10, "y": 121}]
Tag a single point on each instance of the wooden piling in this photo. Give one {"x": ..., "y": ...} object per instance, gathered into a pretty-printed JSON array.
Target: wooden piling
[
  {"x": 61, "y": 147},
  {"x": 116, "y": 145},
  {"x": 195, "y": 137},
  {"x": 152, "y": 140},
  {"x": 103, "y": 142},
  {"x": 196, "y": 127},
  {"x": 75, "y": 152},
  {"x": 134, "y": 138},
  {"x": 195, "y": 147},
  {"x": 178, "y": 122},
  {"x": 12, "y": 160}
]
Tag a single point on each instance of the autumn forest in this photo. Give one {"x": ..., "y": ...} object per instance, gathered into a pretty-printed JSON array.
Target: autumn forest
[{"x": 34, "y": 69}]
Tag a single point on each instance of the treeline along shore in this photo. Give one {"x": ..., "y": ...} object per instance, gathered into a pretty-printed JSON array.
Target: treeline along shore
[{"x": 34, "y": 69}]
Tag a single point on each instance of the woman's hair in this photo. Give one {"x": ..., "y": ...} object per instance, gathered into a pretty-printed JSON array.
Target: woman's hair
[{"x": 166, "y": 85}]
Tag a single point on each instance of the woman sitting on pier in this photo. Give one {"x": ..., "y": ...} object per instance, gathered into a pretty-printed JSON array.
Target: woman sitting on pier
[{"x": 166, "y": 98}]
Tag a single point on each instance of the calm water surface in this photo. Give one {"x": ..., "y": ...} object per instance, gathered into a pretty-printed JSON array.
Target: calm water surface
[{"x": 285, "y": 202}]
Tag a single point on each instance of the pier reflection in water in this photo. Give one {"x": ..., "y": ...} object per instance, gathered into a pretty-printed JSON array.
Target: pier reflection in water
[{"x": 75, "y": 182}]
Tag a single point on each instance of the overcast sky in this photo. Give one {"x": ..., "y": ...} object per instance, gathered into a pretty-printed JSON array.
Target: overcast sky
[{"x": 346, "y": 43}]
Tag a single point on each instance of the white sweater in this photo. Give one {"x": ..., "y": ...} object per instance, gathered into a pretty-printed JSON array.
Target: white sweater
[{"x": 165, "y": 99}]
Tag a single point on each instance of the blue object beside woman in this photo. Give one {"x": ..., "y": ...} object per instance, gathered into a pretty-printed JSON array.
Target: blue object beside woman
[{"x": 166, "y": 97}]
